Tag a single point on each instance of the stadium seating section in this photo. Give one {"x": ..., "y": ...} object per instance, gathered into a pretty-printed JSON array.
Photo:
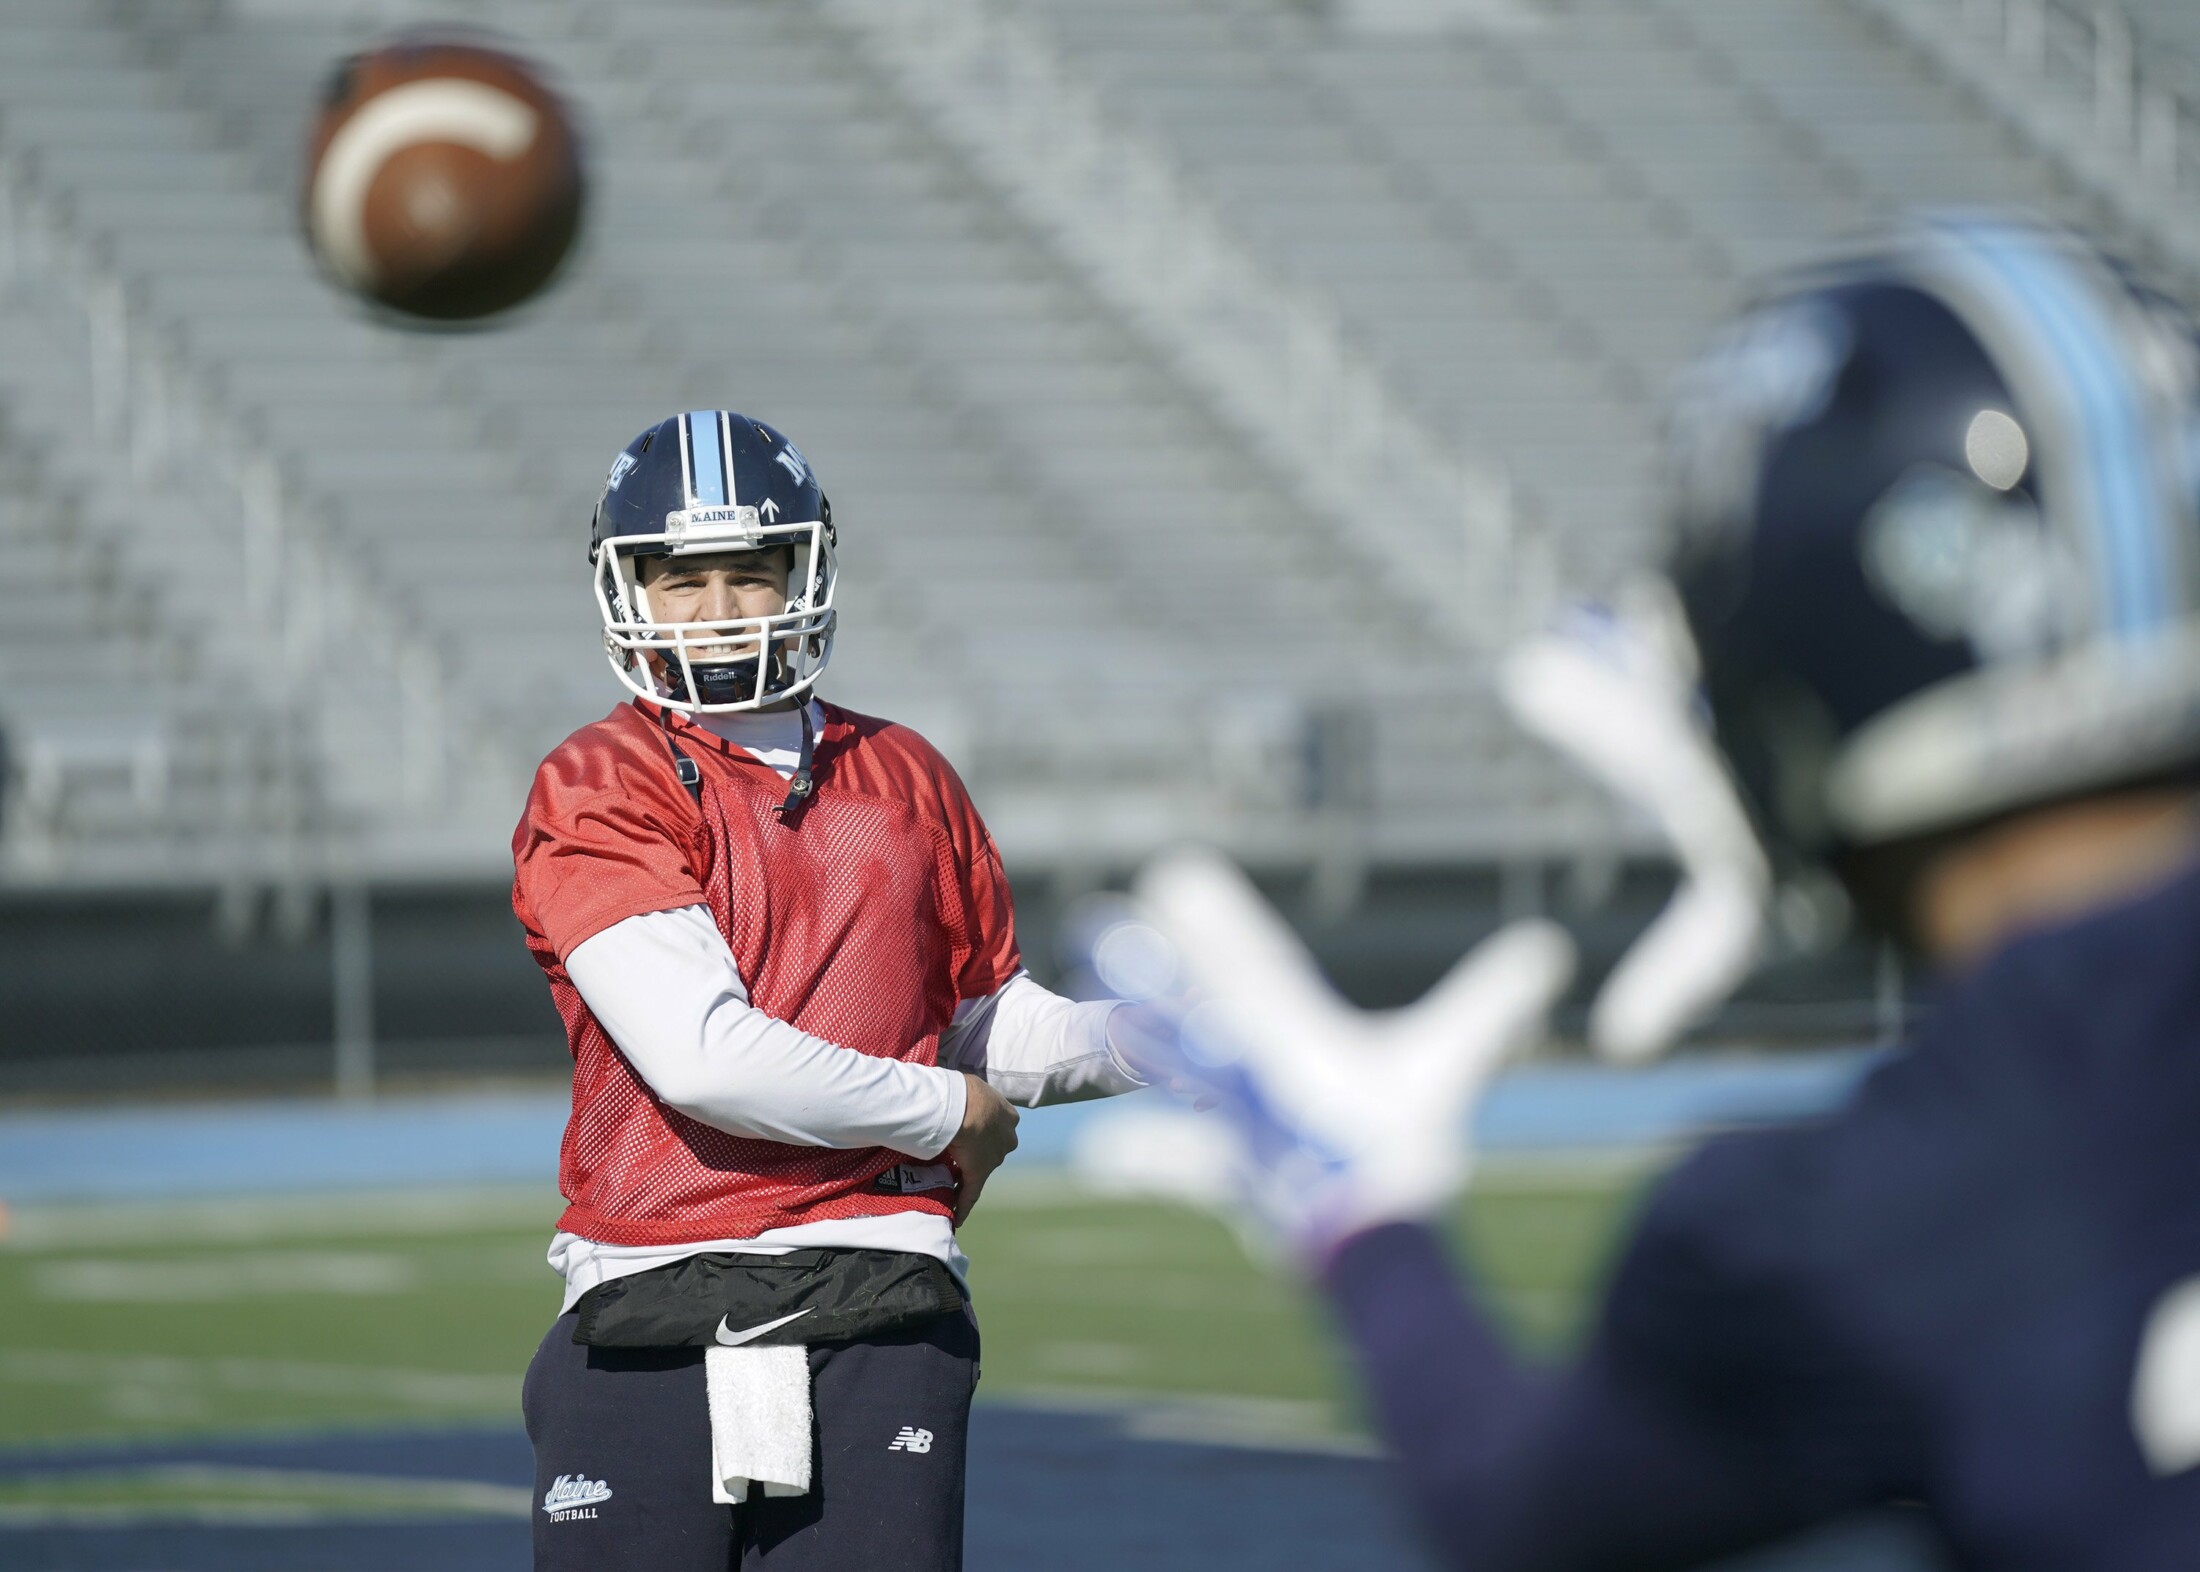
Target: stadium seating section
[{"x": 291, "y": 591}]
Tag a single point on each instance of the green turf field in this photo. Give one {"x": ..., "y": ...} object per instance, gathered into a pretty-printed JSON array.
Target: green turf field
[{"x": 316, "y": 1313}]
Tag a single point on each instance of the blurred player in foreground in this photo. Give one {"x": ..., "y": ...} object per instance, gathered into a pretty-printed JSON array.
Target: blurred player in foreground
[
  {"x": 1940, "y": 571},
  {"x": 782, "y": 944}
]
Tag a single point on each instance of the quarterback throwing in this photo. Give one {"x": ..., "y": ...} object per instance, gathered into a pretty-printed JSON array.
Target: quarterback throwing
[{"x": 782, "y": 945}]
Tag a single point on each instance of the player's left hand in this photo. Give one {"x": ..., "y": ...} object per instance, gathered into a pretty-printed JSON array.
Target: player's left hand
[
  {"x": 987, "y": 1136},
  {"x": 1346, "y": 1119}
]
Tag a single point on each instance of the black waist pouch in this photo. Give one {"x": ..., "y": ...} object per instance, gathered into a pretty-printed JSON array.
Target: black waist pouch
[{"x": 766, "y": 1301}]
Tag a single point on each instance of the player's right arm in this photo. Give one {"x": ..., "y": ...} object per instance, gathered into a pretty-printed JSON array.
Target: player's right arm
[{"x": 666, "y": 988}]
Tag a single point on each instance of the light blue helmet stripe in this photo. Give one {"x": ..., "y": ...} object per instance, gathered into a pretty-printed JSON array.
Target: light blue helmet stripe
[
  {"x": 2117, "y": 467},
  {"x": 707, "y": 445}
]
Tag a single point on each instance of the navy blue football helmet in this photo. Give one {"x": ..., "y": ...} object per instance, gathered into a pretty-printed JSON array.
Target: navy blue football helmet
[
  {"x": 703, "y": 483},
  {"x": 1937, "y": 539}
]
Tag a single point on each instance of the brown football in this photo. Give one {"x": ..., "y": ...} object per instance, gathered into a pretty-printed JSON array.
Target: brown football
[{"x": 443, "y": 180}]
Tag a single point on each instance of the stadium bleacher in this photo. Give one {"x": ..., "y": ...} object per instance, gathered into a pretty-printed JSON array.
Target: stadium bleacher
[
  {"x": 342, "y": 564},
  {"x": 1533, "y": 226}
]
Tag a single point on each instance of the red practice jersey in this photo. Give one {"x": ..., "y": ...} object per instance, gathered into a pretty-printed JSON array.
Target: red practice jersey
[{"x": 864, "y": 918}]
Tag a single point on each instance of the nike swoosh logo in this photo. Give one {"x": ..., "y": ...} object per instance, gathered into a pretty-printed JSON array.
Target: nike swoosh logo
[{"x": 729, "y": 1338}]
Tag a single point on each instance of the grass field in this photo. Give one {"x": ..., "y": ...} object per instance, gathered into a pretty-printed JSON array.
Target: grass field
[{"x": 319, "y": 1313}]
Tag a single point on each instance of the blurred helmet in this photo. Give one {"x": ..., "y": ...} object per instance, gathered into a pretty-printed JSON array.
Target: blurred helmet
[
  {"x": 704, "y": 483},
  {"x": 1936, "y": 538}
]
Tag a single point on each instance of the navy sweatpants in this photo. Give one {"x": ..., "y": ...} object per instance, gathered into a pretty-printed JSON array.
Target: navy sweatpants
[{"x": 622, "y": 1460}]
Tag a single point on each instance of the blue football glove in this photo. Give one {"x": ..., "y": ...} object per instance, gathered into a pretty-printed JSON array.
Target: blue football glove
[
  {"x": 1343, "y": 1119},
  {"x": 1614, "y": 687}
]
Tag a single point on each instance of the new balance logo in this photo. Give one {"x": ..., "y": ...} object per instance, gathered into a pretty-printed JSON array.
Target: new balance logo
[
  {"x": 911, "y": 1441},
  {"x": 574, "y": 1496}
]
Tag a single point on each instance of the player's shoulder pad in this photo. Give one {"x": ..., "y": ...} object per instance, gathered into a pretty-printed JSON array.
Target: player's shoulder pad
[
  {"x": 625, "y": 753},
  {"x": 901, "y": 758},
  {"x": 876, "y": 731}
]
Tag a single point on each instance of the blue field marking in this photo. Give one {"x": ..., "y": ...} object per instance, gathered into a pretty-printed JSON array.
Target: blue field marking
[
  {"x": 139, "y": 1153},
  {"x": 1584, "y": 1106},
  {"x": 1064, "y": 1491},
  {"x": 511, "y": 1138}
]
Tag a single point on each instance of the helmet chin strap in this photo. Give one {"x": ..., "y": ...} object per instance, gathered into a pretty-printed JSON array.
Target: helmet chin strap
[
  {"x": 741, "y": 674},
  {"x": 800, "y": 785}
]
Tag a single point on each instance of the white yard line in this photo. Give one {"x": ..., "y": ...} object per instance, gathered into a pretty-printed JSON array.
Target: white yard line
[
  {"x": 431, "y": 1390},
  {"x": 242, "y": 1496},
  {"x": 245, "y": 1219},
  {"x": 1275, "y": 1424}
]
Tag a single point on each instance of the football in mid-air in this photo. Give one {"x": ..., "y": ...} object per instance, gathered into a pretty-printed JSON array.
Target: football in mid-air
[{"x": 443, "y": 180}]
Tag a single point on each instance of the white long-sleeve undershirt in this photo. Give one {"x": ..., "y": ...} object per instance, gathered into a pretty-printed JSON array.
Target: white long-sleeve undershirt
[
  {"x": 1037, "y": 1048},
  {"x": 667, "y": 989}
]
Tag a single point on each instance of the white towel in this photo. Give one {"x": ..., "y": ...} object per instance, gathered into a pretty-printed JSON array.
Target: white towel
[{"x": 759, "y": 1421}]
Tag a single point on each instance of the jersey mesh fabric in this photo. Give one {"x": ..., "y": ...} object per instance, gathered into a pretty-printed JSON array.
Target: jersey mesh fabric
[{"x": 863, "y": 919}]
